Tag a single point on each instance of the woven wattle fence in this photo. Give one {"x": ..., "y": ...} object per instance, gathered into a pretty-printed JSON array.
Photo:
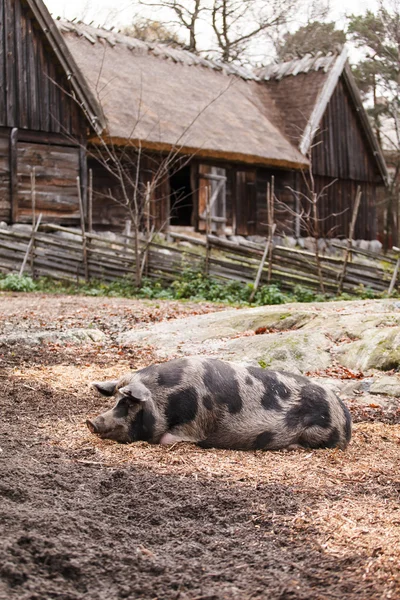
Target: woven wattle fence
[{"x": 61, "y": 253}]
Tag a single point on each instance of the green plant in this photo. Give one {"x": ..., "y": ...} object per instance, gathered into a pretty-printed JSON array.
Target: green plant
[
  {"x": 15, "y": 283},
  {"x": 192, "y": 285},
  {"x": 344, "y": 296},
  {"x": 303, "y": 294},
  {"x": 365, "y": 293},
  {"x": 271, "y": 294}
]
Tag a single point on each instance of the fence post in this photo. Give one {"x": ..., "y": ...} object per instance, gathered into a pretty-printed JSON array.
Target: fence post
[
  {"x": 395, "y": 272},
  {"x": 30, "y": 245},
  {"x": 208, "y": 232},
  {"x": 262, "y": 262},
  {"x": 84, "y": 240},
  {"x": 33, "y": 199},
  {"x": 90, "y": 203},
  {"x": 350, "y": 238}
]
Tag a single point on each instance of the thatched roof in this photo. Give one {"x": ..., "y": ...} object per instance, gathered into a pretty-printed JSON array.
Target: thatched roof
[
  {"x": 296, "y": 92},
  {"x": 168, "y": 97}
]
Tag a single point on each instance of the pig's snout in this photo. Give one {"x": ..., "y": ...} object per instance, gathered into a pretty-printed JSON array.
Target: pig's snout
[{"x": 92, "y": 426}]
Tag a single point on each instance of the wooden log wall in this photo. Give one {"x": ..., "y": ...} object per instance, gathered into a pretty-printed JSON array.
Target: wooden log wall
[
  {"x": 56, "y": 169},
  {"x": 109, "y": 205}
]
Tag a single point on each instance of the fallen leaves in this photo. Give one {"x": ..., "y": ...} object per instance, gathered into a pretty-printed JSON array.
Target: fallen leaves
[
  {"x": 336, "y": 372},
  {"x": 263, "y": 330}
]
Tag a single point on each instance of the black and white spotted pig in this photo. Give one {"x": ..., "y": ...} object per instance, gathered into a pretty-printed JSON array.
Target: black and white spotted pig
[{"x": 222, "y": 405}]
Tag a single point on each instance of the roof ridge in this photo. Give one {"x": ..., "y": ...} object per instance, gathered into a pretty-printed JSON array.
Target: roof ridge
[
  {"x": 180, "y": 55},
  {"x": 303, "y": 64}
]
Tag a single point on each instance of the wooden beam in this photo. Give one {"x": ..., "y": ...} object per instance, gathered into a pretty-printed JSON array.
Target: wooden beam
[
  {"x": 14, "y": 174},
  {"x": 90, "y": 203},
  {"x": 83, "y": 174},
  {"x": 350, "y": 238},
  {"x": 45, "y": 137},
  {"x": 83, "y": 232},
  {"x": 212, "y": 176}
]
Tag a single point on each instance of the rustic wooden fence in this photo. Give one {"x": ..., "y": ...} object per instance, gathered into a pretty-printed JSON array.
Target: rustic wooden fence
[{"x": 66, "y": 254}]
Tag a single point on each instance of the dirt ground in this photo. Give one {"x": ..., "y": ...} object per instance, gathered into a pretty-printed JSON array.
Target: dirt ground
[{"x": 91, "y": 519}]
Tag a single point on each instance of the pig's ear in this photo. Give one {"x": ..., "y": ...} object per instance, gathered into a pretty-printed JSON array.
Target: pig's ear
[
  {"x": 136, "y": 391},
  {"x": 106, "y": 388}
]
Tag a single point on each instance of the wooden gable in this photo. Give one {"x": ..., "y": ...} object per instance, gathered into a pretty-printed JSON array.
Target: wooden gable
[
  {"x": 34, "y": 90},
  {"x": 340, "y": 148}
]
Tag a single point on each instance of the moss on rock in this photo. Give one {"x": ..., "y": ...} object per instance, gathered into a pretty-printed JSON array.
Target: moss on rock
[{"x": 377, "y": 349}]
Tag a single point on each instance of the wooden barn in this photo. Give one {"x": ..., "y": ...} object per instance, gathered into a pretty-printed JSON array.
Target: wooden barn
[
  {"x": 70, "y": 92},
  {"x": 43, "y": 103}
]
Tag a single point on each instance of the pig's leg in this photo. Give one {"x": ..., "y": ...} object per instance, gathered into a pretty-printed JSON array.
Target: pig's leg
[{"x": 170, "y": 438}]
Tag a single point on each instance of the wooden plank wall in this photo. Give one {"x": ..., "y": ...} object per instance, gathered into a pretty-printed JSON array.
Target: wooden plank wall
[
  {"x": 340, "y": 148},
  {"x": 32, "y": 85},
  {"x": 285, "y": 200},
  {"x": 336, "y": 204},
  {"x": 246, "y": 201},
  {"x": 341, "y": 152},
  {"x": 5, "y": 204},
  {"x": 341, "y": 160}
]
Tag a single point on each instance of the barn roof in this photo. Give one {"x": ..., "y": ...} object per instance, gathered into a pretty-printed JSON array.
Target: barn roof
[{"x": 168, "y": 97}]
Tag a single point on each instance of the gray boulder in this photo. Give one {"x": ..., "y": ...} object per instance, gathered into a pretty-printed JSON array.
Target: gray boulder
[
  {"x": 289, "y": 241},
  {"x": 377, "y": 349},
  {"x": 375, "y": 246},
  {"x": 388, "y": 385},
  {"x": 71, "y": 336}
]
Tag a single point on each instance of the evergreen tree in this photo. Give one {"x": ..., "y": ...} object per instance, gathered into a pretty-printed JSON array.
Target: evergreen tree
[{"x": 309, "y": 39}]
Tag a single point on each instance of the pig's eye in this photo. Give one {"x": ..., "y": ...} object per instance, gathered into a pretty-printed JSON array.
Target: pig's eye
[{"x": 122, "y": 408}]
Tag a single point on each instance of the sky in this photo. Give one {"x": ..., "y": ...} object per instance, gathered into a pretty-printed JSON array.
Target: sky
[{"x": 122, "y": 11}]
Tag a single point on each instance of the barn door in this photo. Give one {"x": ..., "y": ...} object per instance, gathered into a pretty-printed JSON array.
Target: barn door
[
  {"x": 246, "y": 198},
  {"x": 212, "y": 188}
]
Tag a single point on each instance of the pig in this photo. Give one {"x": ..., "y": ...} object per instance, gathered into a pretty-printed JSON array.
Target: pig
[{"x": 222, "y": 405}]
